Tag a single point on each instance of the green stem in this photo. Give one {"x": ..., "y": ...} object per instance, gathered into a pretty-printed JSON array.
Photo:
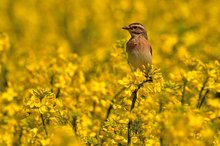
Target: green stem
[
  {"x": 134, "y": 95},
  {"x": 108, "y": 113},
  {"x": 183, "y": 91},
  {"x": 44, "y": 125},
  {"x": 111, "y": 104},
  {"x": 3, "y": 77},
  {"x": 203, "y": 99},
  {"x": 58, "y": 93},
  {"x": 201, "y": 91},
  {"x": 129, "y": 132}
]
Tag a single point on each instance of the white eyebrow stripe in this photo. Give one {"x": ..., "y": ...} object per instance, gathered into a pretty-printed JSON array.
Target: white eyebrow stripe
[
  {"x": 138, "y": 25},
  {"x": 141, "y": 26}
]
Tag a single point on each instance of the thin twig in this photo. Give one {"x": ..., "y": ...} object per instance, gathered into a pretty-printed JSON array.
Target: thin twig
[
  {"x": 201, "y": 91},
  {"x": 3, "y": 78},
  {"x": 183, "y": 91},
  {"x": 74, "y": 124},
  {"x": 203, "y": 99},
  {"x": 58, "y": 93},
  {"x": 161, "y": 128},
  {"x": 20, "y": 134},
  {"x": 129, "y": 132},
  {"x": 108, "y": 113},
  {"x": 161, "y": 141},
  {"x": 111, "y": 104},
  {"x": 134, "y": 95},
  {"x": 44, "y": 125}
]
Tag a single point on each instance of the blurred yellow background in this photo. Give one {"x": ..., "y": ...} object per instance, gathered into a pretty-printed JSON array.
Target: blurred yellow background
[{"x": 174, "y": 27}]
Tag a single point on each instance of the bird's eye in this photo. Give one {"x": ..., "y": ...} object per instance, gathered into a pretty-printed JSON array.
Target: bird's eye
[{"x": 135, "y": 27}]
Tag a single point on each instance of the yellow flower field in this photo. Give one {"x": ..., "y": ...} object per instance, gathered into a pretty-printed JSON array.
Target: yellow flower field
[{"x": 65, "y": 80}]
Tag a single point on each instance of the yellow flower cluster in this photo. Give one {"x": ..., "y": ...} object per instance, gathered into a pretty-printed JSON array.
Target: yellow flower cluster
[{"x": 62, "y": 101}]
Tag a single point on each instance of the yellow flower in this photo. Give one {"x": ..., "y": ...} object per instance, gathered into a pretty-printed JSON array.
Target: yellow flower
[
  {"x": 34, "y": 132},
  {"x": 34, "y": 102},
  {"x": 43, "y": 109}
]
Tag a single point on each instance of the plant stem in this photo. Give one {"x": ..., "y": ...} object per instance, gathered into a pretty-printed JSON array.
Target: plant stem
[
  {"x": 183, "y": 91},
  {"x": 129, "y": 132},
  {"x": 108, "y": 113},
  {"x": 44, "y": 125},
  {"x": 111, "y": 104},
  {"x": 203, "y": 99},
  {"x": 134, "y": 95},
  {"x": 58, "y": 93},
  {"x": 201, "y": 91}
]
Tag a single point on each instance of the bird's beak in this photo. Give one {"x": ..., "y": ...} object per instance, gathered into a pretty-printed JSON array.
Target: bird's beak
[{"x": 126, "y": 27}]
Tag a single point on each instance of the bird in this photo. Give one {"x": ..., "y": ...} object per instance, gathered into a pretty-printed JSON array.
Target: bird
[{"x": 138, "y": 48}]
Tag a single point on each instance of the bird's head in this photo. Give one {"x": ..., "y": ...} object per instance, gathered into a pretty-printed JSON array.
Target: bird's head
[{"x": 136, "y": 29}]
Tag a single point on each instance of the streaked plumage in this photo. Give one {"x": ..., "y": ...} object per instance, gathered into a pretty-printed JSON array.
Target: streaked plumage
[{"x": 138, "y": 47}]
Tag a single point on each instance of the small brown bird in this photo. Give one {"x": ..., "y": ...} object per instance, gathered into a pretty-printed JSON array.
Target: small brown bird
[{"x": 138, "y": 48}]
